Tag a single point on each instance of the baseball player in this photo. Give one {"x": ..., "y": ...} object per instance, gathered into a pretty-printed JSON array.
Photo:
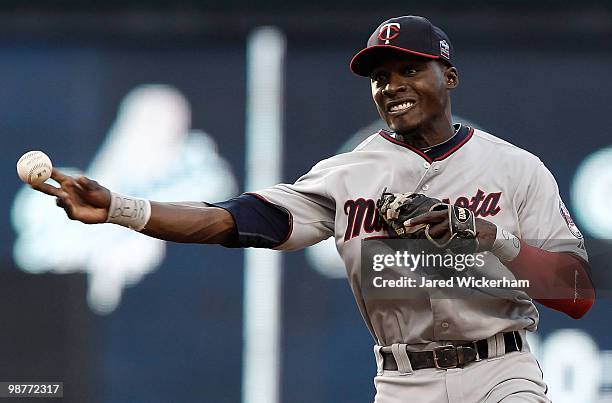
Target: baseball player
[{"x": 475, "y": 187}]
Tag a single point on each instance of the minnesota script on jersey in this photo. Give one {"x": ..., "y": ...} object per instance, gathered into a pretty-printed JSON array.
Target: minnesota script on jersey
[{"x": 495, "y": 179}]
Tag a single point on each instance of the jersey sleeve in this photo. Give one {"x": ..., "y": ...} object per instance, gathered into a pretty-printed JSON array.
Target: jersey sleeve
[
  {"x": 544, "y": 220},
  {"x": 311, "y": 209}
]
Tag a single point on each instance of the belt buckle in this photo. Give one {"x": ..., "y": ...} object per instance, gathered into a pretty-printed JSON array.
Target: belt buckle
[{"x": 444, "y": 350}]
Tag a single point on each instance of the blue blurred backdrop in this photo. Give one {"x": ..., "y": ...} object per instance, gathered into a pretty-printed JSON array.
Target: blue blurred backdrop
[{"x": 123, "y": 88}]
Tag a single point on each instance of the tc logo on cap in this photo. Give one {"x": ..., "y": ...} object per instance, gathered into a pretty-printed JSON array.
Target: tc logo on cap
[
  {"x": 389, "y": 31},
  {"x": 444, "y": 49}
]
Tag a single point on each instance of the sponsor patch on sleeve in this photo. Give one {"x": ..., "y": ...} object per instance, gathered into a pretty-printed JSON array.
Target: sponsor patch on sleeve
[{"x": 569, "y": 220}]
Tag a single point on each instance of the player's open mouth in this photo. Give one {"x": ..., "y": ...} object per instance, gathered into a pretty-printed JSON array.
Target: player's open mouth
[{"x": 400, "y": 106}]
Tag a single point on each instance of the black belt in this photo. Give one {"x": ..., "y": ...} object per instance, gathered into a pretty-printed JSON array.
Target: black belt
[{"x": 453, "y": 356}]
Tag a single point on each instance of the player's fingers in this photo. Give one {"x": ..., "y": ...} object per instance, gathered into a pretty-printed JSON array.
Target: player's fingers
[
  {"x": 70, "y": 185},
  {"x": 68, "y": 206},
  {"x": 49, "y": 189},
  {"x": 427, "y": 218},
  {"x": 81, "y": 185},
  {"x": 87, "y": 184},
  {"x": 64, "y": 203},
  {"x": 439, "y": 230},
  {"x": 58, "y": 176}
]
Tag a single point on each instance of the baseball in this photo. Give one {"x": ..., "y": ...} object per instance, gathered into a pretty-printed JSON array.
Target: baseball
[{"x": 34, "y": 167}]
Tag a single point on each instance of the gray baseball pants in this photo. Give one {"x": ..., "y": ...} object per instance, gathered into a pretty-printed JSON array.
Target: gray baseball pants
[{"x": 508, "y": 378}]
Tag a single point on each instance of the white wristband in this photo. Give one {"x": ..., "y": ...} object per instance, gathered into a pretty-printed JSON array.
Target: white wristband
[
  {"x": 129, "y": 212},
  {"x": 506, "y": 246}
]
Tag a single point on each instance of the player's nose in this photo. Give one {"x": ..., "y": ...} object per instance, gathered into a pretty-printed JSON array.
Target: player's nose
[{"x": 394, "y": 85}]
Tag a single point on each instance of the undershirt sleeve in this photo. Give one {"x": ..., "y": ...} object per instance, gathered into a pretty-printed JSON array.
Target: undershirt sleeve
[{"x": 259, "y": 223}]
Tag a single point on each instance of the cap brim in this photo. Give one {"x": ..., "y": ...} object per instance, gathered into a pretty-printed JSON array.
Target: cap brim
[{"x": 366, "y": 59}]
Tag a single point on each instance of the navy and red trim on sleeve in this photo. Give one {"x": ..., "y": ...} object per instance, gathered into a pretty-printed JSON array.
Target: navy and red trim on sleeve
[{"x": 259, "y": 223}]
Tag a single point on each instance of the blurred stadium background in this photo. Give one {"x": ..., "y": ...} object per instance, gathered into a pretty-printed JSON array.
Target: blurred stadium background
[{"x": 201, "y": 100}]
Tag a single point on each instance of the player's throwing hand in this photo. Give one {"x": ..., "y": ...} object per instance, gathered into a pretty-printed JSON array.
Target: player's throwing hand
[
  {"x": 81, "y": 198},
  {"x": 85, "y": 200}
]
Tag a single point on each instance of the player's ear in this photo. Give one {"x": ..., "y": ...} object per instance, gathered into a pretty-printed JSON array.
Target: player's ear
[{"x": 452, "y": 78}]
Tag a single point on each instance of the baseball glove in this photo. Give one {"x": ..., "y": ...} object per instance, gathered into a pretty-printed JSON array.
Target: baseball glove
[{"x": 396, "y": 208}]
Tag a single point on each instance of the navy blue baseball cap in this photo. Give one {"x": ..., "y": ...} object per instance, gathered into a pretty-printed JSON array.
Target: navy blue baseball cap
[{"x": 408, "y": 34}]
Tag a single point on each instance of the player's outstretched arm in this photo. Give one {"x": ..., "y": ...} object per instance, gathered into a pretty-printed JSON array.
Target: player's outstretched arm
[
  {"x": 190, "y": 223},
  {"x": 87, "y": 201}
]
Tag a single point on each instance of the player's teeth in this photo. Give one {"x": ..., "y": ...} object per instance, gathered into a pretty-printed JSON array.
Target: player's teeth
[{"x": 404, "y": 105}]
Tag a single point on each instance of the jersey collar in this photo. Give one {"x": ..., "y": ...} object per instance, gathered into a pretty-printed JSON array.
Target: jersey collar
[{"x": 439, "y": 151}]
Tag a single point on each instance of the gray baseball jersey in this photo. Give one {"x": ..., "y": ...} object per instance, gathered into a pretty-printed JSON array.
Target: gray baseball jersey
[{"x": 495, "y": 179}]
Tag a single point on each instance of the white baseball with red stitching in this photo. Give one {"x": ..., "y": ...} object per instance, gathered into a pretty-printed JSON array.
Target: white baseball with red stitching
[{"x": 34, "y": 167}]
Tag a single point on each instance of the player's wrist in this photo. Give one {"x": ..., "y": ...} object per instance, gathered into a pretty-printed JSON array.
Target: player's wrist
[
  {"x": 506, "y": 246},
  {"x": 130, "y": 212}
]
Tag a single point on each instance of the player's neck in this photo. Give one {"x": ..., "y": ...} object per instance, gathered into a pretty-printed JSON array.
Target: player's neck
[{"x": 428, "y": 136}]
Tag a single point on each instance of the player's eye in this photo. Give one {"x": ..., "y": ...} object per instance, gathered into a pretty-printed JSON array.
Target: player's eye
[
  {"x": 378, "y": 77},
  {"x": 410, "y": 71}
]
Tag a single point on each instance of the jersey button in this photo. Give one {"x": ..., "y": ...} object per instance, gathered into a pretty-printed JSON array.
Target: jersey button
[
  {"x": 425, "y": 187},
  {"x": 444, "y": 325},
  {"x": 426, "y": 165}
]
